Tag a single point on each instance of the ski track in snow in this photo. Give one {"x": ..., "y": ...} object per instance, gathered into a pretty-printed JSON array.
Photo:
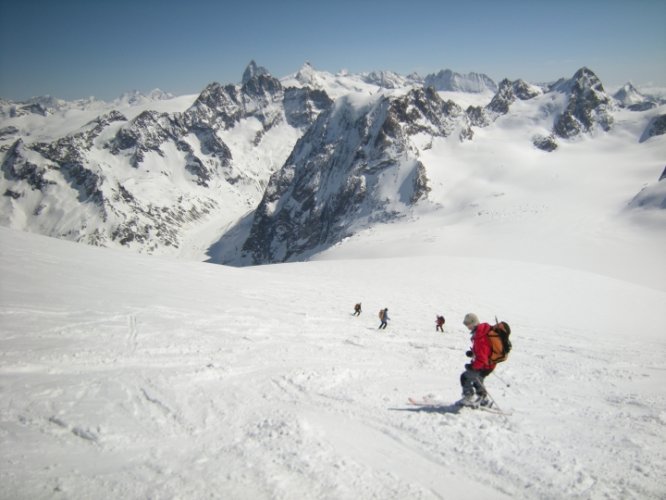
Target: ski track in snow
[{"x": 258, "y": 383}]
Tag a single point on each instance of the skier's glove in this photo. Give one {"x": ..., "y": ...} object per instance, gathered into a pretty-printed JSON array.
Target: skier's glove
[
  {"x": 468, "y": 366},
  {"x": 469, "y": 354}
]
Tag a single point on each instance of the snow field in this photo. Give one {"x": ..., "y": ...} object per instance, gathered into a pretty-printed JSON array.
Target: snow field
[{"x": 131, "y": 377}]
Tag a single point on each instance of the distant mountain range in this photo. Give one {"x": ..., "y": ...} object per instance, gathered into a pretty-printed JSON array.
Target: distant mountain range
[{"x": 284, "y": 167}]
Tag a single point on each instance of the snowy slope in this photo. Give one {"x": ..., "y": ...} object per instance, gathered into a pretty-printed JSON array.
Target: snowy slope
[
  {"x": 126, "y": 376},
  {"x": 571, "y": 208}
]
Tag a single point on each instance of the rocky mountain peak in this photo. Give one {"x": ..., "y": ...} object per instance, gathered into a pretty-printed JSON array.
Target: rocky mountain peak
[
  {"x": 356, "y": 164},
  {"x": 630, "y": 97},
  {"x": 588, "y": 105},
  {"x": 252, "y": 71},
  {"x": 507, "y": 93},
  {"x": 307, "y": 75},
  {"x": 450, "y": 81},
  {"x": 656, "y": 126},
  {"x": 262, "y": 86}
]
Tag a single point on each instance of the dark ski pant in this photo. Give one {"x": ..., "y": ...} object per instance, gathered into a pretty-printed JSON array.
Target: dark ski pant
[
  {"x": 357, "y": 313},
  {"x": 439, "y": 329},
  {"x": 472, "y": 381},
  {"x": 383, "y": 325}
]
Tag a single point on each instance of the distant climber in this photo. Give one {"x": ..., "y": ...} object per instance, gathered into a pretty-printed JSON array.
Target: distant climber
[
  {"x": 384, "y": 318},
  {"x": 440, "y": 323},
  {"x": 474, "y": 392},
  {"x": 357, "y": 310}
]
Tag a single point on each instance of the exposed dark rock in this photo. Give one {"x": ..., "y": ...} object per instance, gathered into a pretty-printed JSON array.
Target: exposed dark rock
[
  {"x": 17, "y": 167},
  {"x": 344, "y": 170},
  {"x": 477, "y": 116},
  {"x": 657, "y": 126},
  {"x": 8, "y": 131},
  {"x": 146, "y": 133},
  {"x": 12, "y": 194},
  {"x": 253, "y": 71},
  {"x": 547, "y": 144},
  {"x": 588, "y": 105},
  {"x": 508, "y": 92},
  {"x": 642, "y": 106},
  {"x": 303, "y": 105}
]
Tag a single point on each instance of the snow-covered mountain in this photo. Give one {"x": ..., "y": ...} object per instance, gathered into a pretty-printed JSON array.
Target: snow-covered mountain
[
  {"x": 447, "y": 80},
  {"x": 382, "y": 158},
  {"x": 365, "y": 168},
  {"x": 135, "y": 97},
  {"x": 279, "y": 170},
  {"x": 143, "y": 182},
  {"x": 49, "y": 105}
]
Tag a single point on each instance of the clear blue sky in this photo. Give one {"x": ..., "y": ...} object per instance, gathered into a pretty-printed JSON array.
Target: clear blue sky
[{"x": 78, "y": 48}]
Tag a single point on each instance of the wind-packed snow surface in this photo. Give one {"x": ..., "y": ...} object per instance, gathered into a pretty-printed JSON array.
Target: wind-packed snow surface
[{"x": 125, "y": 376}]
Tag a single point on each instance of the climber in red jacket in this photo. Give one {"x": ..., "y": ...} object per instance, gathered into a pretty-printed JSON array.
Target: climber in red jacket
[{"x": 474, "y": 392}]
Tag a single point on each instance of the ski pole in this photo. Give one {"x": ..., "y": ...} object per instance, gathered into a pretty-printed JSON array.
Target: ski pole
[
  {"x": 502, "y": 380},
  {"x": 495, "y": 405}
]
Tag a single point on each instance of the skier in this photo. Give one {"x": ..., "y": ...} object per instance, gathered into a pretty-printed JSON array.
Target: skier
[
  {"x": 383, "y": 316},
  {"x": 480, "y": 367},
  {"x": 357, "y": 310},
  {"x": 440, "y": 324}
]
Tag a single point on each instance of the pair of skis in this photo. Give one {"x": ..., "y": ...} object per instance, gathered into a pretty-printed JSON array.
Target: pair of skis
[{"x": 431, "y": 403}]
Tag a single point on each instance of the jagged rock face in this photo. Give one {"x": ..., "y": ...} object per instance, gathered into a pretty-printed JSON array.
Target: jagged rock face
[
  {"x": 423, "y": 111},
  {"x": 146, "y": 133},
  {"x": 355, "y": 165},
  {"x": 508, "y": 92},
  {"x": 68, "y": 156},
  {"x": 220, "y": 108},
  {"x": 17, "y": 166},
  {"x": 99, "y": 176},
  {"x": 588, "y": 105},
  {"x": 503, "y": 98},
  {"x": 224, "y": 106},
  {"x": 253, "y": 71},
  {"x": 478, "y": 116},
  {"x": 524, "y": 91},
  {"x": 40, "y": 170},
  {"x": 302, "y": 106},
  {"x": 449, "y": 81},
  {"x": 657, "y": 126}
]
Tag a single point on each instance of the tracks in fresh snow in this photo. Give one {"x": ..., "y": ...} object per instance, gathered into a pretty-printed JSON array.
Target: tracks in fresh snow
[
  {"x": 259, "y": 381},
  {"x": 133, "y": 334}
]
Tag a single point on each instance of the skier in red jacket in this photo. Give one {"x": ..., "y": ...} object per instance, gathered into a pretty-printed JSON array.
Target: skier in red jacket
[{"x": 474, "y": 392}]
